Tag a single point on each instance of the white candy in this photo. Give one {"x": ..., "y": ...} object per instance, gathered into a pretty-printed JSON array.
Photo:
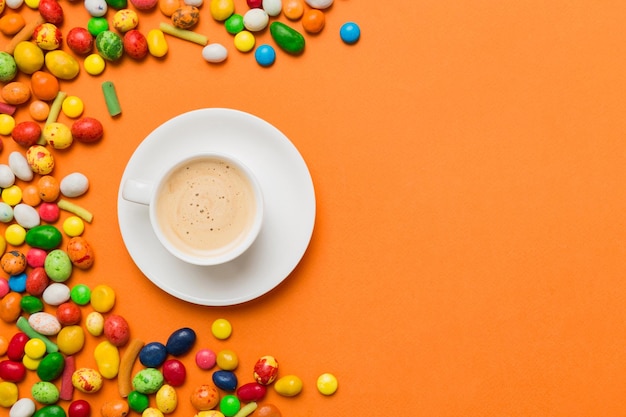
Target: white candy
[
  {"x": 24, "y": 407},
  {"x": 6, "y": 212},
  {"x": 26, "y": 216},
  {"x": 56, "y": 294},
  {"x": 255, "y": 20},
  {"x": 214, "y": 52},
  {"x": 19, "y": 166},
  {"x": 74, "y": 185},
  {"x": 44, "y": 323},
  {"x": 273, "y": 7},
  {"x": 14, "y": 4},
  {"x": 7, "y": 177},
  {"x": 196, "y": 3},
  {"x": 319, "y": 4},
  {"x": 96, "y": 8}
]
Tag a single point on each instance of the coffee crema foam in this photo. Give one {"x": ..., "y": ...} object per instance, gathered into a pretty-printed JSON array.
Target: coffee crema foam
[{"x": 205, "y": 206}]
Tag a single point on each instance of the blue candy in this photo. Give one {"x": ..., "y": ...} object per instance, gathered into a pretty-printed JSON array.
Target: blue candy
[
  {"x": 180, "y": 341},
  {"x": 265, "y": 55},
  {"x": 17, "y": 282},
  {"x": 225, "y": 380},
  {"x": 350, "y": 32},
  {"x": 153, "y": 354}
]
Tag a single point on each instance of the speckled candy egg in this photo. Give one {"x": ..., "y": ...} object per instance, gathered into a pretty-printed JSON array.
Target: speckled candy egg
[
  {"x": 8, "y": 67},
  {"x": 185, "y": 17},
  {"x": 125, "y": 20},
  {"x": 80, "y": 252},
  {"x": 87, "y": 380},
  {"x": 166, "y": 399},
  {"x": 266, "y": 370},
  {"x": 13, "y": 262},
  {"x": 48, "y": 37},
  {"x": 109, "y": 45},
  {"x": 44, "y": 323},
  {"x": 205, "y": 397},
  {"x": 45, "y": 392},
  {"x": 40, "y": 159},
  {"x": 58, "y": 135},
  {"x": 147, "y": 381}
]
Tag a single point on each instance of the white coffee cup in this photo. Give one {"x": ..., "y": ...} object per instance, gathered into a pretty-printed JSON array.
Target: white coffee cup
[{"x": 205, "y": 209}]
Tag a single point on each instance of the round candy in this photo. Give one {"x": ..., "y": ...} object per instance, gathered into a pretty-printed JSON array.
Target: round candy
[
  {"x": 102, "y": 298},
  {"x": 265, "y": 55},
  {"x": 15, "y": 234},
  {"x": 73, "y": 226},
  {"x": 148, "y": 381},
  {"x": 205, "y": 359},
  {"x": 109, "y": 45},
  {"x": 72, "y": 106},
  {"x": 68, "y": 313},
  {"x": 138, "y": 402},
  {"x": 97, "y": 24},
  {"x": 350, "y": 32},
  {"x": 80, "y": 294},
  {"x": 229, "y": 405},
  {"x": 313, "y": 21},
  {"x": 293, "y": 9},
  {"x": 71, "y": 339},
  {"x": 8, "y": 67},
  {"x": 174, "y": 372},
  {"x": 94, "y": 64},
  {"x": 8, "y": 394},
  {"x": 35, "y": 348},
  {"x": 39, "y": 110},
  {"x": 234, "y": 24},
  {"x": 205, "y": 397},
  {"x": 221, "y": 329},
  {"x": 79, "y": 408},
  {"x": 125, "y": 20},
  {"x": 12, "y": 195},
  {"x": 17, "y": 283},
  {"x": 227, "y": 360},
  {"x": 30, "y": 303},
  {"x": 244, "y": 41},
  {"x": 265, "y": 370},
  {"x": 288, "y": 386}
]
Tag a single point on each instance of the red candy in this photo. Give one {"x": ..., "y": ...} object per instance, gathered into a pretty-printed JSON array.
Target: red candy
[
  {"x": 252, "y": 391},
  {"x": 174, "y": 372},
  {"x": 116, "y": 330},
  {"x": 68, "y": 314},
  {"x": 12, "y": 371},
  {"x": 266, "y": 370},
  {"x": 79, "y": 408},
  {"x": 36, "y": 281},
  {"x": 135, "y": 44},
  {"x": 49, "y": 212},
  {"x": 15, "y": 351},
  {"x": 80, "y": 41},
  {"x": 35, "y": 257}
]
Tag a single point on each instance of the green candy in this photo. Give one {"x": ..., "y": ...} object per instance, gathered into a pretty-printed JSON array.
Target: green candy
[
  {"x": 287, "y": 38},
  {"x": 45, "y": 392},
  {"x": 80, "y": 294},
  {"x": 117, "y": 4},
  {"x": 148, "y": 381},
  {"x": 234, "y": 24},
  {"x": 50, "y": 411},
  {"x": 51, "y": 366},
  {"x": 31, "y": 304},
  {"x": 8, "y": 67},
  {"x": 109, "y": 45},
  {"x": 95, "y": 25},
  {"x": 58, "y": 265},
  {"x": 230, "y": 405},
  {"x": 44, "y": 236},
  {"x": 138, "y": 402}
]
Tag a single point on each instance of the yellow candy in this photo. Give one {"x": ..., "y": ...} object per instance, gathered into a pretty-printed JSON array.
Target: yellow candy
[
  {"x": 209, "y": 413},
  {"x": 15, "y": 234},
  {"x": 7, "y": 123},
  {"x": 61, "y": 64},
  {"x": 125, "y": 20},
  {"x": 12, "y": 195},
  {"x": 102, "y": 298},
  {"x": 73, "y": 226},
  {"x": 33, "y": 4},
  {"x": 35, "y": 348},
  {"x": 107, "y": 357},
  {"x": 221, "y": 329},
  {"x": 28, "y": 57},
  {"x": 151, "y": 412},
  {"x": 87, "y": 380},
  {"x": 288, "y": 386},
  {"x": 94, "y": 322},
  {"x": 94, "y": 64},
  {"x": 157, "y": 44},
  {"x": 222, "y": 9},
  {"x": 244, "y": 41},
  {"x": 72, "y": 106},
  {"x": 8, "y": 394},
  {"x": 71, "y": 339},
  {"x": 58, "y": 135},
  {"x": 40, "y": 159},
  {"x": 30, "y": 363},
  {"x": 327, "y": 384},
  {"x": 166, "y": 399}
]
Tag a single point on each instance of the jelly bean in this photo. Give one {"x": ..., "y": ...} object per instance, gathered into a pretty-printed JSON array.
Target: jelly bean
[
  {"x": 209, "y": 413},
  {"x": 21, "y": 169},
  {"x": 221, "y": 9},
  {"x": 244, "y": 41},
  {"x": 350, "y": 33},
  {"x": 229, "y": 405},
  {"x": 114, "y": 408},
  {"x": 266, "y": 370},
  {"x": 58, "y": 265},
  {"x": 31, "y": 304},
  {"x": 287, "y": 38},
  {"x": 254, "y": 4},
  {"x": 225, "y": 380},
  {"x": 319, "y": 4},
  {"x": 227, "y": 360},
  {"x": 80, "y": 294},
  {"x": 94, "y": 64},
  {"x": 6, "y": 212},
  {"x": 8, "y": 394},
  {"x": 157, "y": 44},
  {"x": 205, "y": 397},
  {"x": 71, "y": 339},
  {"x": 205, "y": 358},
  {"x": 288, "y": 386},
  {"x": 293, "y": 9},
  {"x": 116, "y": 330},
  {"x": 180, "y": 341},
  {"x": 252, "y": 391},
  {"x": 56, "y": 294},
  {"x": 10, "y": 308},
  {"x": 125, "y": 20},
  {"x": 234, "y": 24},
  {"x": 107, "y": 357},
  {"x": 51, "y": 366},
  {"x": 35, "y": 348},
  {"x": 24, "y": 407},
  {"x": 79, "y": 408},
  {"x": 45, "y": 392},
  {"x": 94, "y": 322},
  {"x": 12, "y": 195},
  {"x": 137, "y": 401},
  {"x": 17, "y": 283},
  {"x": 68, "y": 313},
  {"x": 62, "y": 65},
  {"x": 45, "y": 237},
  {"x": 37, "y": 281},
  {"x": 148, "y": 381},
  {"x": 174, "y": 372},
  {"x": 26, "y": 215},
  {"x": 166, "y": 399},
  {"x": 12, "y": 371},
  {"x": 72, "y": 106},
  {"x": 265, "y": 55},
  {"x": 44, "y": 323},
  {"x": 87, "y": 380},
  {"x": 153, "y": 354},
  {"x": 15, "y": 348},
  {"x": 267, "y": 410},
  {"x": 221, "y": 329},
  {"x": 102, "y": 298}
]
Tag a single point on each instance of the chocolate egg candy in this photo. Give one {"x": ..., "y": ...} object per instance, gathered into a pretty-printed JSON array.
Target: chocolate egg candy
[
  {"x": 266, "y": 370},
  {"x": 109, "y": 45},
  {"x": 87, "y": 380}
]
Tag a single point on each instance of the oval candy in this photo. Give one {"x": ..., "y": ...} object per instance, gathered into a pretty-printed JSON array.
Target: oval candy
[{"x": 180, "y": 341}]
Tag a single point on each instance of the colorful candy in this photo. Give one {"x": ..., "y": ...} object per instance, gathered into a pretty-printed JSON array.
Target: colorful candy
[
  {"x": 288, "y": 385},
  {"x": 180, "y": 341},
  {"x": 350, "y": 33}
]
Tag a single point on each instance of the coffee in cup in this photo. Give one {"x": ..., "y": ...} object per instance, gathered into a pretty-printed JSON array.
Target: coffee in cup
[{"x": 206, "y": 209}]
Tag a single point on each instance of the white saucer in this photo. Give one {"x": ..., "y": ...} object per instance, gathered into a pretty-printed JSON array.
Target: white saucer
[{"x": 289, "y": 207}]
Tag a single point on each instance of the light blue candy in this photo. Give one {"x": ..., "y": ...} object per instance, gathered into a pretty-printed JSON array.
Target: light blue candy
[
  {"x": 17, "y": 282},
  {"x": 350, "y": 32},
  {"x": 265, "y": 55},
  {"x": 6, "y": 212}
]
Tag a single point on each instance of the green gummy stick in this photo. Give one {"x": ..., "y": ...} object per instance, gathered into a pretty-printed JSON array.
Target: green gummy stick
[
  {"x": 110, "y": 98},
  {"x": 24, "y": 326}
]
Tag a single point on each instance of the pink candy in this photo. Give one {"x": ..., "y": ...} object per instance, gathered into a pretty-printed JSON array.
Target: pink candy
[{"x": 205, "y": 359}]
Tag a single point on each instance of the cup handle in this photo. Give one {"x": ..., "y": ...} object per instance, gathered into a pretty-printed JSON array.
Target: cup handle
[{"x": 137, "y": 191}]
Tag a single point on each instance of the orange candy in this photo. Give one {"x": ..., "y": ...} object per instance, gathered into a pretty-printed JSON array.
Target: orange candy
[
  {"x": 293, "y": 9},
  {"x": 313, "y": 21},
  {"x": 11, "y": 23},
  {"x": 205, "y": 397},
  {"x": 15, "y": 93},
  {"x": 10, "y": 307},
  {"x": 49, "y": 188},
  {"x": 30, "y": 195},
  {"x": 45, "y": 86},
  {"x": 168, "y": 7},
  {"x": 4, "y": 345},
  {"x": 39, "y": 110}
]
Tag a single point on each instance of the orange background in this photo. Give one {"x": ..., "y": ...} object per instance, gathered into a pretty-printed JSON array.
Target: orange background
[{"x": 468, "y": 162}]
